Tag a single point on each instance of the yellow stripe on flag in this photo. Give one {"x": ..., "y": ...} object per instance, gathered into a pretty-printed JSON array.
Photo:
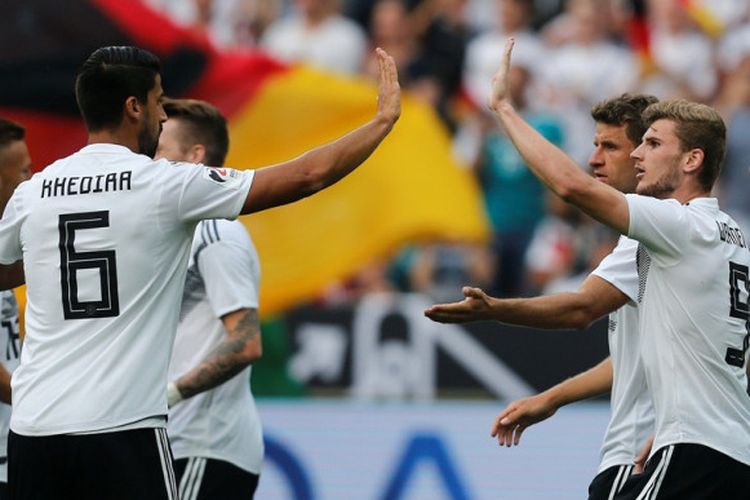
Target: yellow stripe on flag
[
  {"x": 411, "y": 189},
  {"x": 702, "y": 14}
]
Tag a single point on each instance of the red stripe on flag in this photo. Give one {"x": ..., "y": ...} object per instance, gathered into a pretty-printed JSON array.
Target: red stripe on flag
[
  {"x": 151, "y": 29},
  {"x": 48, "y": 136},
  {"x": 230, "y": 79}
]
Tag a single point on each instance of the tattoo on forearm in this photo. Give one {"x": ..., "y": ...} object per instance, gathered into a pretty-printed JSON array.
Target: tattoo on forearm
[{"x": 225, "y": 361}]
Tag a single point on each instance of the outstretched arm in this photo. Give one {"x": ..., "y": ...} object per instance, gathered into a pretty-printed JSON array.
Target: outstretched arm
[
  {"x": 518, "y": 415},
  {"x": 240, "y": 347},
  {"x": 325, "y": 165},
  {"x": 550, "y": 164},
  {"x": 595, "y": 298}
]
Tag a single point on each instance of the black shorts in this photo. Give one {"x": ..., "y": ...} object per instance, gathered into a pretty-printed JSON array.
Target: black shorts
[
  {"x": 609, "y": 481},
  {"x": 689, "y": 472},
  {"x": 122, "y": 465},
  {"x": 200, "y": 478}
]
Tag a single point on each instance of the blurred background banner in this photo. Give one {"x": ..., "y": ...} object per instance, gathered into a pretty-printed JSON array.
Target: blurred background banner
[
  {"x": 423, "y": 452},
  {"x": 410, "y": 190}
]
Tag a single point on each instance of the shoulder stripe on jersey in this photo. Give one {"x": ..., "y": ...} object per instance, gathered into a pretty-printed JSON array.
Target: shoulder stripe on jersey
[
  {"x": 198, "y": 250},
  {"x": 206, "y": 233},
  {"x": 216, "y": 229},
  {"x": 203, "y": 235},
  {"x": 165, "y": 456}
]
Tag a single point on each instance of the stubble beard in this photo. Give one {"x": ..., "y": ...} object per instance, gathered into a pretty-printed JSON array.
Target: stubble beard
[
  {"x": 148, "y": 141},
  {"x": 663, "y": 187}
]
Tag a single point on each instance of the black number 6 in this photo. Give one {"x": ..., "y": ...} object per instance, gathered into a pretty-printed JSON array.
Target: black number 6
[{"x": 72, "y": 261}]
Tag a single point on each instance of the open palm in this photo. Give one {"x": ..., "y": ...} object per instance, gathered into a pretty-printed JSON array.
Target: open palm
[{"x": 500, "y": 93}]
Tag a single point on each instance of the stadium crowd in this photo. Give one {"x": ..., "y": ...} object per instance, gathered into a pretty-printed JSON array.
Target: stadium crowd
[{"x": 446, "y": 51}]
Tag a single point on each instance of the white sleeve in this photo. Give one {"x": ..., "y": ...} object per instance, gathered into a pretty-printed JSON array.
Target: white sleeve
[
  {"x": 619, "y": 268},
  {"x": 199, "y": 192},
  {"x": 10, "y": 230},
  {"x": 229, "y": 266},
  {"x": 661, "y": 226}
]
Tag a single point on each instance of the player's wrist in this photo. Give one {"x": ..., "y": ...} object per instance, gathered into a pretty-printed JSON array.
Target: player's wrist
[
  {"x": 174, "y": 395},
  {"x": 554, "y": 398}
]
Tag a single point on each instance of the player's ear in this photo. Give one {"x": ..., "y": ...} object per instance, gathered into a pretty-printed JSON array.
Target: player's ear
[
  {"x": 132, "y": 108},
  {"x": 197, "y": 153},
  {"x": 693, "y": 161}
]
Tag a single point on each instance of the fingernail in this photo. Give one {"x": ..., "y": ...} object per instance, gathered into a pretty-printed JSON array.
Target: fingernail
[{"x": 504, "y": 421}]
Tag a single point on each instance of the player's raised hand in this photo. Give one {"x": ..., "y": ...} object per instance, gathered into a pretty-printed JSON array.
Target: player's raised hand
[
  {"x": 389, "y": 91},
  {"x": 476, "y": 306},
  {"x": 518, "y": 415},
  {"x": 500, "y": 93}
]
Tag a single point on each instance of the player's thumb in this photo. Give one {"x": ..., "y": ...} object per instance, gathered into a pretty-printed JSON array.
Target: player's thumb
[{"x": 473, "y": 293}]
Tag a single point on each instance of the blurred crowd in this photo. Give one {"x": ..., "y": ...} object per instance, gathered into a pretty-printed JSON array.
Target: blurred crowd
[{"x": 568, "y": 56}]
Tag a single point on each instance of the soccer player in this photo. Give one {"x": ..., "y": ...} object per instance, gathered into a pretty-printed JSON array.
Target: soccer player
[
  {"x": 693, "y": 263},
  {"x": 15, "y": 166},
  {"x": 213, "y": 426},
  {"x": 611, "y": 288},
  {"x": 105, "y": 237}
]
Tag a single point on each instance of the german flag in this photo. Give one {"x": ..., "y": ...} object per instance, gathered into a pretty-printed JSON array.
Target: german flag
[{"x": 409, "y": 190}]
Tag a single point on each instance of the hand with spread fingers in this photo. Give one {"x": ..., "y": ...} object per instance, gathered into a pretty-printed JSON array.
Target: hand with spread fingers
[{"x": 476, "y": 306}]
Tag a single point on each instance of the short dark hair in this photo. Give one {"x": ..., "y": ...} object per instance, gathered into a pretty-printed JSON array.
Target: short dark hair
[
  {"x": 627, "y": 110},
  {"x": 697, "y": 126},
  {"x": 108, "y": 77},
  {"x": 10, "y": 132},
  {"x": 203, "y": 124}
]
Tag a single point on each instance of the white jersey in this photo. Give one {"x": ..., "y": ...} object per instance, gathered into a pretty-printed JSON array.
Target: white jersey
[
  {"x": 9, "y": 338},
  {"x": 632, "y": 420},
  {"x": 105, "y": 238},
  {"x": 693, "y": 270},
  {"x": 223, "y": 277}
]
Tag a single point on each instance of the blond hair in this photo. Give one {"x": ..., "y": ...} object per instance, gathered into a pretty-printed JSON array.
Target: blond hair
[{"x": 697, "y": 126}]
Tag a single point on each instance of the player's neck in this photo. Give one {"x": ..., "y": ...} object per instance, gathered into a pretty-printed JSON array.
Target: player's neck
[
  {"x": 689, "y": 191},
  {"x": 114, "y": 137}
]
